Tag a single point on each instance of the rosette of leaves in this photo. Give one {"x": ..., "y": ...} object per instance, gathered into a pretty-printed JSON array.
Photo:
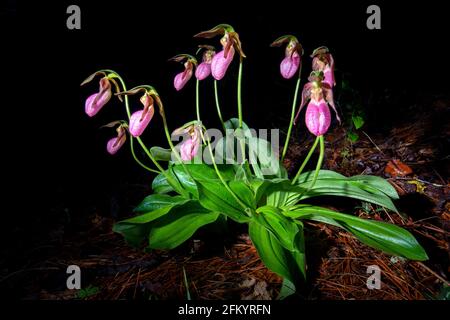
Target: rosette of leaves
[{"x": 272, "y": 206}]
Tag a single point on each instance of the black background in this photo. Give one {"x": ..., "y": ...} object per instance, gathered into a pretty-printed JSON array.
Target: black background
[{"x": 58, "y": 160}]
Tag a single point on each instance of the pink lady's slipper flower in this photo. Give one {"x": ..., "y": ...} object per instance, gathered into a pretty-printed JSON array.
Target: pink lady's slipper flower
[
  {"x": 320, "y": 94},
  {"x": 317, "y": 117},
  {"x": 139, "y": 120},
  {"x": 182, "y": 78},
  {"x": 190, "y": 146},
  {"x": 230, "y": 44},
  {"x": 97, "y": 100},
  {"x": 114, "y": 144},
  {"x": 323, "y": 61},
  {"x": 293, "y": 52},
  {"x": 204, "y": 69}
]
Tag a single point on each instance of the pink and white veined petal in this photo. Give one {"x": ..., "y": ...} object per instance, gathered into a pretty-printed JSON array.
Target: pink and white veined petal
[
  {"x": 290, "y": 65},
  {"x": 318, "y": 117},
  {"x": 203, "y": 71},
  {"x": 220, "y": 63},
  {"x": 138, "y": 125}
]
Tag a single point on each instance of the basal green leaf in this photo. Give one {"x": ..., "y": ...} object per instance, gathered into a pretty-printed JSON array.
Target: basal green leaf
[
  {"x": 288, "y": 264},
  {"x": 172, "y": 230},
  {"x": 214, "y": 196},
  {"x": 160, "y": 184},
  {"x": 157, "y": 201},
  {"x": 380, "y": 235},
  {"x": 284, "y": 229}
]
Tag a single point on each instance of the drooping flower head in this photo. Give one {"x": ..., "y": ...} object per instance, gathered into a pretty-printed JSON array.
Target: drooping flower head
[
  {"x": 192, "y": 141},
  {"x": 204, "y": 68},
  {"x": 183, "y": 77},
  {"x": 230, "y": 43},
  {"x": 95, "y": 102},
  {"x": 293, "y": 52},
  {"x": 140, "y": 119},
  {"x": 320, "y": 95},
  {"x": 323, "y": 61},
  {"x": 114, "y": 144}
]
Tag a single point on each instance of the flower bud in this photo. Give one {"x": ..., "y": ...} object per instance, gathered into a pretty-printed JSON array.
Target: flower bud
[
  {"x": 318, "y": 117},
  {"x": 97, "y": 100}
]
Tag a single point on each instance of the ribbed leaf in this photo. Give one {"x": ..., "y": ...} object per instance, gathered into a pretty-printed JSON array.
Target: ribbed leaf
[
  {"x": 172, "y": 230},
  {"x": 380, "y": 235}
]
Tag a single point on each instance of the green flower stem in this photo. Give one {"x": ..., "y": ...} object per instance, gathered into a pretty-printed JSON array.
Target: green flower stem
[
  {"x": 169, "y": 178},
  {"x": 197, "y": 99},
  {"x": 219, "y": 113},
  {"x": 291, "y": 123},
  {"x": 169, "y": 140},
  {"x": 127, "y": 108},
  {"x": 306, "y": 160},
  {"x": 319, "y": 162},
  {"x": 149, "y": 154},
  {"x": 197, "y": 108},
  {"x": 239, "y": 94},
  {"x": 137, "y": 160},
  {"x": 239, "y": 97}
]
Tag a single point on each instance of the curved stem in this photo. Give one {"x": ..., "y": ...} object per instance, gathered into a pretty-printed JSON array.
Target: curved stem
[
  {"x": 319, "y": 162},
  {"x": 239, "y": 98},
  {"x": 306, "y": 159},
  {"x": 291, "y": 123},
  {"x": 169, "y": 140},
  {"x": 137, "y": 160},
  {"x": 197, "y": 100},
  {"x": 197, "y": 108},
  {"x": 127, "y": 108},
  {"x": 149, "y": 154},
  {"x": 219, "y": 113},
  {"x": 239, "y": 94}
]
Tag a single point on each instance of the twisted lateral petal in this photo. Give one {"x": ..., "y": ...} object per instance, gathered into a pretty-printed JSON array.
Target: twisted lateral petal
[
  {"x": 329, "y": 76},
  {"x": 189, "y": 148},
  {"x": 138, "y": 121},
  {"x": 97, "y": 101},
  {"x": 114, "y": 144},
  {"x": 318, "y": 117},
  {"x": 220, "y": 64},
  {"x": 306, "y": 95},
  {"x": 203, "y": 71},
  {"x": 181, "y": 79},
  {"x": 289, "y": 65}
]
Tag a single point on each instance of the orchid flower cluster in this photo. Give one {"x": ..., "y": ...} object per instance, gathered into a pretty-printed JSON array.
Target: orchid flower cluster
[{"x": 189, "y": 195}]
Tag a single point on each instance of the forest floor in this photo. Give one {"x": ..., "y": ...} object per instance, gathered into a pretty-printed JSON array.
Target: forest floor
[{"x": 412, "y": 158}]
